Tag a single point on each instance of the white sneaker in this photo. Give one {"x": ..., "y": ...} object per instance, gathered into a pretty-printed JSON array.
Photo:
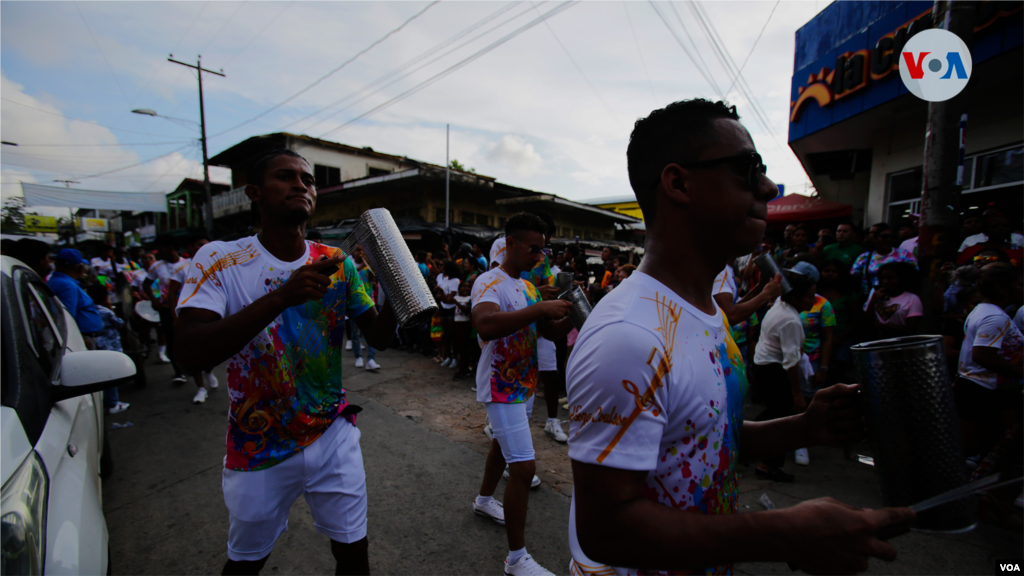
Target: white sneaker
[
  {"x": 200, "y": 396},
  {"x": 359, "y": 362},
  {"x": 371, "y": 365},
  {"x": 446, "y": 363},
  {"x": 210, "y": 379},
  {"x": 119, "y": 407},
  {"x": 489, "y": 432},
  {"x": 526, "y": 566},
  {"x": 533, "y": 483},
  {"x": 492, "y": 510},
  {"x": 163, "y": 358},
  {"x": 179, "y": 378},
  {"x": 348, "y": 344},
  {"x": 454, "y": 364},
  {"x": 1019, "y": 502},
  {"x": 554, "y": 429},
  {"x": 802, "y": 457}
]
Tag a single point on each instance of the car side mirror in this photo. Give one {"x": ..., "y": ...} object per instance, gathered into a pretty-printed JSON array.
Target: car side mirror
[{"x": 91, "y": 371}]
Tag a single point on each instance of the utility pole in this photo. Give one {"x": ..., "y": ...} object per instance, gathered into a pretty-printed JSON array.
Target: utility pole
[
  {"x": 198, "y": 67},
  {"x": 938, "y": 237},
  {"x": 447, "y": 170},
  {"x": 71, "y": 215}
]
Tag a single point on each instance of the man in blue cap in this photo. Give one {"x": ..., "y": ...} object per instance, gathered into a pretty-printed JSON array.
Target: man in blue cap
[{"x": 69, "y": 266}]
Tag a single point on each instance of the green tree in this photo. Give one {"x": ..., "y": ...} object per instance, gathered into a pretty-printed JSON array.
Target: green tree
[
  {"x": 12, "y": 215},
  {"x": 456, "y": 165}
]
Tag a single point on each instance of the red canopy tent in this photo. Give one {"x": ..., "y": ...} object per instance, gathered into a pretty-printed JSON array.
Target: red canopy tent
[{"x": 797, "y": 208}]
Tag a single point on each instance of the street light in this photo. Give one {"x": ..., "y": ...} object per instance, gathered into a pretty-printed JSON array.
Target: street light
[{"x": 206, "y": 162}]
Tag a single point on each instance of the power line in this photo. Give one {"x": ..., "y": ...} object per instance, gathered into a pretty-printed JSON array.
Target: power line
[
  {"x": 458, "y": 65},
  {"x": 109, "y": 67},
  {"x": 415, "y": 60},
  {"x": 78, "y": 119},
  {"x": 258, "y": 34},
  {"x": 751, "y": 53},
  {"x": 20, "y": 145},
  {"x": 222, "y": 27},
  {"x": 625, "y": 6},
  {"x": 133, "y": 165},
  {"x": 696, "y": 49},
  {"x": 329, "y": 74},
  {"x": 580, "y": 70},
  {"x": 679, "y": 41}
]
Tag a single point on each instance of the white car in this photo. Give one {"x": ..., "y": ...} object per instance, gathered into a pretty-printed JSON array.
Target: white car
[{"x": 52, "y": 445}]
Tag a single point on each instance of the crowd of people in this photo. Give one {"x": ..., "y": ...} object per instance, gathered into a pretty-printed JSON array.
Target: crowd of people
[
  {"x": 850, "y": 287},
  {"x": 655, "y": 381}
]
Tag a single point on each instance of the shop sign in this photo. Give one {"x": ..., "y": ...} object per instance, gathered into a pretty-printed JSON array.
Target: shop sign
[
  {"x": 94, "y": 225},
  {"x": 34, "y": 223},
  {"x": 855, "y": 71},
  {"x": 922, "y": 69},
  {"x": 148, "y": 233}
]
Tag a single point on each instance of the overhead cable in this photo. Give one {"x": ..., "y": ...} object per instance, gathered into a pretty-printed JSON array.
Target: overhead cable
[
  {"x": 332, "y": 72},
  {"x": 427, "y": 54},
  {"x": 751, "y": 53},
  {"x": 454, "y": 67},
  {"x": 625, "y": 5},
  {"x": 707, "y": 77}
]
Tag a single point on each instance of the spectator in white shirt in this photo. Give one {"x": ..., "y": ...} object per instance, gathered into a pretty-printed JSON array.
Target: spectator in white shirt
[{"x": 777, "y": 360}]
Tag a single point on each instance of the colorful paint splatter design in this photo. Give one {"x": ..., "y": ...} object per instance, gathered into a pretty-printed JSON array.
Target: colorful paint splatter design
[
  {"x": 656, "y": 385},
  {"x": 285, "y": 384},
  {"x": 508, "y": 366}
]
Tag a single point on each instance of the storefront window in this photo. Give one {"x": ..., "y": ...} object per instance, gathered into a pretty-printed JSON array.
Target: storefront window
[
  {"x": 1000, "y": 168},
  {"x": 904, "y": 195}
]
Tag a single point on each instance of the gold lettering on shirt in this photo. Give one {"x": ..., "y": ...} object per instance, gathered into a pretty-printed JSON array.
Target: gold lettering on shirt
[
  {"x": 668, "y": 319},
  {"x": 233, "y": 258}
]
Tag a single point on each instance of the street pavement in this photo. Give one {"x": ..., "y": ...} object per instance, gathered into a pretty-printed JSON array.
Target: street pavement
[{"x": 423, "y": 449}]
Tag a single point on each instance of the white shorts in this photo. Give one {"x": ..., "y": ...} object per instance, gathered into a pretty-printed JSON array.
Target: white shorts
[
  {"x": 510, "y": 424},
  {"x": 546, "y": 355},
  {"x": 329, "y": 473}
]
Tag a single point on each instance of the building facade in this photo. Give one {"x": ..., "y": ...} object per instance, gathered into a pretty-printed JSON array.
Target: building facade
[{"x": 860, "y": 134}]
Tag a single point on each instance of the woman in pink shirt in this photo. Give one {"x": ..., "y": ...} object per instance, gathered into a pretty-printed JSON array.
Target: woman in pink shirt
[{"x": 895, "y": 310}]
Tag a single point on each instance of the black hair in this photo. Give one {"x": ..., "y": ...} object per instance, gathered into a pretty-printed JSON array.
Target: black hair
[
  {"x": 421, "y": 256},
  {"x": 257, "y": 169},
  {"x": 905, "y": 271},
  {"x": 801, "y": 286},
  {"x": 29, "y": 251},
  {"x": 525, "y": 222},
  {"x": 843, "y": 283},
  {"x": 548, "y": 220},
  {"x": 98, "y": 292},
  {"x": 314, "y": 236},
  {"x": 675, "y": 133},
  {"x": 964, "y": 296},
  {"x": 166, "y": 240},
  {"x": 104, "y": 248},
  {"x": 197, "y": 237},
  {"x": 572, "y": 250},
  {"x": 451, "y": 269},
  {"x": 996, "y": 276},
  {"x": 881, "y": 226},
  {"x": 7, "y": 246}
]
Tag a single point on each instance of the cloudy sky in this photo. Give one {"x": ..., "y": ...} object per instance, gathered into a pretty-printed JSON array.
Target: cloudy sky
[{"x": 538, "y": 94}]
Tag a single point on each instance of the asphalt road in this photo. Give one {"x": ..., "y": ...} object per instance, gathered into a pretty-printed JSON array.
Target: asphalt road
[{"x": 424, "y": 456}]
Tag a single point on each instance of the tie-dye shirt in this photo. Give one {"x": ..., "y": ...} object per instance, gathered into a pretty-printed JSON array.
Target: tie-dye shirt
[
  {"x": 540, "y": 274},
  {"x": 657, "y": 385},
  {"x": 285, "y": 384},
  {"x": 819, "y": 316},
  {"x": 507, "y": 372}
]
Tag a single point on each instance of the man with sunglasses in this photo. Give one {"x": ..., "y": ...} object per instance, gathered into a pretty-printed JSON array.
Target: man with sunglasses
[
  {"x": 509, "y": 313},
  {"x": 656, "y": 383}
]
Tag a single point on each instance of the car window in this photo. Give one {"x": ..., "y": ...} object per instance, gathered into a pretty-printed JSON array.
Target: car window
[
  {"x": 55, "y": 308},
  {"x": 46, "y": 345}
]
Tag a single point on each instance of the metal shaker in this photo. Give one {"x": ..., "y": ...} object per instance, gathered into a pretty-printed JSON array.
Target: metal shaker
[
  {"x": 766, "y": 264},
  {"x": 394, "y": 266},
  {"x": 564, "y": 281},
  {"x": 580, "y": 310},
  {"x": 913, "y": 428}
]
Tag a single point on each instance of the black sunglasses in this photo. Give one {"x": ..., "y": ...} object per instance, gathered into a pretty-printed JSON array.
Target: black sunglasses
[
  {"x": 752, "y": 168},
  {"x": 532, "y": 249}
]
